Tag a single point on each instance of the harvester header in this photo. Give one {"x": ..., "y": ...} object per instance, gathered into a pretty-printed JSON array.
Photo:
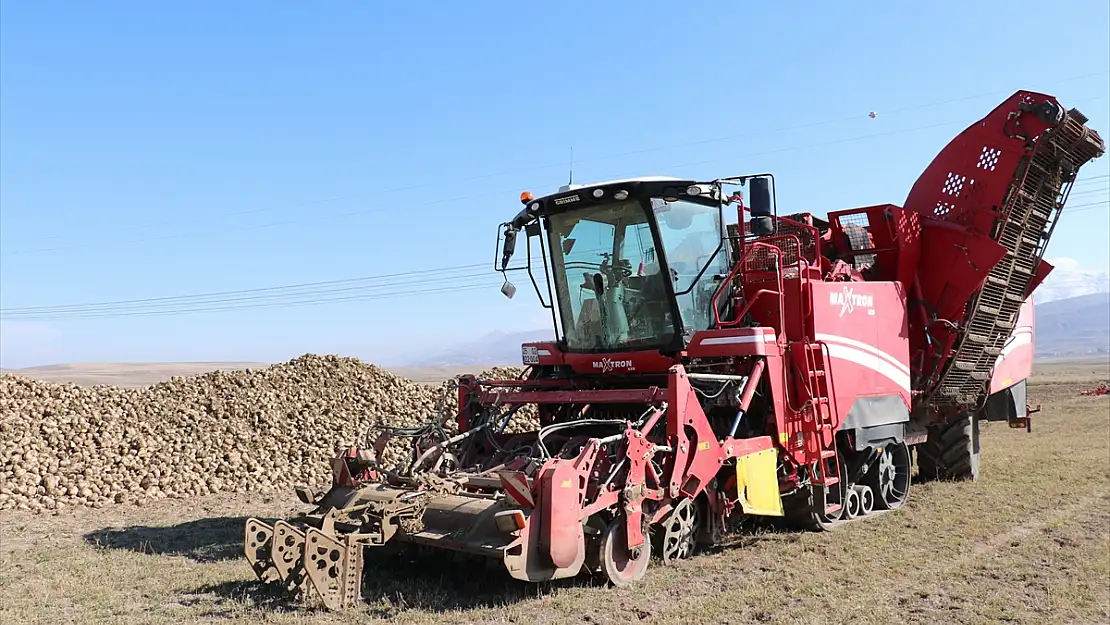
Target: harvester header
[{"x": 703, "y": 370}]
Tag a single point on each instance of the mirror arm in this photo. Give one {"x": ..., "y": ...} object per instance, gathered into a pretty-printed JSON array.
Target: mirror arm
[{"x": 522, "y": 219}]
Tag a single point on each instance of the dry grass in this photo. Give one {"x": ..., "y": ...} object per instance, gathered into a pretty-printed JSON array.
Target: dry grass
[{"x": 1028, "y": 543}]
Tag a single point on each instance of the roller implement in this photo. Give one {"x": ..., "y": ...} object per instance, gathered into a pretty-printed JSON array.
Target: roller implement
[{"x": 711, "y": 368}]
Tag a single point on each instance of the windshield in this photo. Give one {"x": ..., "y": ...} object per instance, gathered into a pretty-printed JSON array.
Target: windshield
[
  {"x": 611, "y": 293},
  {"x": 691, "y": 236}
]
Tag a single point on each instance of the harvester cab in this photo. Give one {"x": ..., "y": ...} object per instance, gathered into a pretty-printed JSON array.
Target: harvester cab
[
  {"x": 633, "y": 267},
  {"x": 706, "y": 372}
]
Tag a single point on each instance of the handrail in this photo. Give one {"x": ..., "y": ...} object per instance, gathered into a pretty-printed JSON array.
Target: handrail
[
  {"x": 748, "y": 306},
  {"x": 826, "y": 355},
  {"x": 738, "y": 268}
]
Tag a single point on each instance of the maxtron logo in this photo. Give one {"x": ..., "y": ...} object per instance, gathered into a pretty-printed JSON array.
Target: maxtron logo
[
  {"x": 848, "y": 300},
  {"x": 608, "y": 364}
]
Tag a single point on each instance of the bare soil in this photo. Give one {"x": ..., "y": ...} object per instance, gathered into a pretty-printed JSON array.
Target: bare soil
[{"x": 1028, "y": 543}]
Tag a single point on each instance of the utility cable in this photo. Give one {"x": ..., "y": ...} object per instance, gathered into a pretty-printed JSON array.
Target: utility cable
[
  {"x": 729, "y": 137},
  {"x": 208, "y": 232},
  {"x": 283, "y": 290},
  {"x": 285, "y": 304},
  {"x": 211, "y": 232}
]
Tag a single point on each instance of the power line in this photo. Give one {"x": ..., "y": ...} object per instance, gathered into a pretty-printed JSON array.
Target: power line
[
  {"x": 292, "y": 303},
  {"x": 439, "y": 182},
  {"x": 257, "y": 300},
  {"x": 1085, "y": 207},
  {"x": 291, "y": 295},
  {"x": 1087, "y": 192},
  {"x": 301, "y": 289},
  {"x": 210, "y": 232}
]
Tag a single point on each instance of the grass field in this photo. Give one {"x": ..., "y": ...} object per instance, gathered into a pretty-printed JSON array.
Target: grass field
[{"x": 1028, "y": 543}]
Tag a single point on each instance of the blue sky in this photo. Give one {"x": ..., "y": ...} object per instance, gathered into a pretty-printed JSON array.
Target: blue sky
[{"x": 153, "y": 150}]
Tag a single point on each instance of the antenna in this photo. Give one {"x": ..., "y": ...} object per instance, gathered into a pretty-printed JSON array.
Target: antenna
[{"x": 570, "y": 180}]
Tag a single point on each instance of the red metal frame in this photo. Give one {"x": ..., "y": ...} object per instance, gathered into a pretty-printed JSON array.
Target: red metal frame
[{"x": 814, "y": 334}]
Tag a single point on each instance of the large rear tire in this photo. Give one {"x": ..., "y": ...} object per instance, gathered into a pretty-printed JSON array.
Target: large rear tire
[{"x": 951, "y": 451}]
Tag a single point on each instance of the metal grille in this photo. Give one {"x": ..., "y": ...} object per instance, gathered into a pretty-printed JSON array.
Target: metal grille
[
  {"x": 762, "y": 259},
  {"x": 856, "y": 227},
  {"x": 793, "y": 250},
  {"x": 796, "y": 241},
  {"x": 806, "y": 247}
]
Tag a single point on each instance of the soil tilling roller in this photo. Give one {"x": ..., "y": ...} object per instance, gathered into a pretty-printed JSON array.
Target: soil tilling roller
[{"x": 783, "y": 366}]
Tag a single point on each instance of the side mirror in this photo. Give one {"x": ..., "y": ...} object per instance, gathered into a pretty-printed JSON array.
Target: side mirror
[
  {"x": 761, "y": 197},
  {"x": 761, "y": 226},
  {"x": 508, "y": 289}
]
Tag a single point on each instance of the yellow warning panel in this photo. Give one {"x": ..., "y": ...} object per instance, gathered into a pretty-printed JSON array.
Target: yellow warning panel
[{"x": 757, "y": 483}]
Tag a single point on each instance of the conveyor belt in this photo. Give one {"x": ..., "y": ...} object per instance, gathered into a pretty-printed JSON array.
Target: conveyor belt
[{"x": 1034, "y": 204}]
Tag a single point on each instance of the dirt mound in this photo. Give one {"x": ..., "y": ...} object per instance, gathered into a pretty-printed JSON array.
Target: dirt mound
[{"x": 244, "y": 431}]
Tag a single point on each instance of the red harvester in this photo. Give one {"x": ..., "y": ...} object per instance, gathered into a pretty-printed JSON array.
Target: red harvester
[{"x": 704, "y": 371}]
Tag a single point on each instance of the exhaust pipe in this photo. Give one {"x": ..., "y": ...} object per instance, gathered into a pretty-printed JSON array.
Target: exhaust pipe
[
  {"x": 852, "y": 503},
  {"x": 866, "y": 498}
]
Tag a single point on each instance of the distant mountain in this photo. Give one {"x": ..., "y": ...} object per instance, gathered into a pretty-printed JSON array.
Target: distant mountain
[
  {"x": 1076, "y": 326},
  {"x": 495, "y": 348},
  {"x": 1068, "y": 279}
]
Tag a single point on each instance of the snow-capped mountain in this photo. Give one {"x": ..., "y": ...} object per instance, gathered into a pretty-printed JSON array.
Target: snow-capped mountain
[
  {"x": 1076, "y": 326},
  {"x": 1069, "y": 280}
]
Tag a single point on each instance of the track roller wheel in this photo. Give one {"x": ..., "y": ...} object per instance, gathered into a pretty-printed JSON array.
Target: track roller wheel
[
  {"x": 852, "y": 504},
  {"x": 818, "y": 508},
  {"x": 889, "y": 477},
  {"x": 680, "y": 531},
  {"x": 951, "y": 451},
  {"x": 618, "y": 565}
]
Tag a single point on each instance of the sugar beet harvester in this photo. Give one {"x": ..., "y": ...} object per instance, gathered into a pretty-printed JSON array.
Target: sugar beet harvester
[{"x": 781, "y": 366}]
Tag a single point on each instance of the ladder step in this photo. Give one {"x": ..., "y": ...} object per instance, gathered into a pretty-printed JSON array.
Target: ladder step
[
  {"x": 828, "y": 453},
  {"x": 827, "y": 481},
  {"x": 832, "y": 509}
]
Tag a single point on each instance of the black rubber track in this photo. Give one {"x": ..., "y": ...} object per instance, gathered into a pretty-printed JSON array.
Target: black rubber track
[{"x": 951, "y": 452}]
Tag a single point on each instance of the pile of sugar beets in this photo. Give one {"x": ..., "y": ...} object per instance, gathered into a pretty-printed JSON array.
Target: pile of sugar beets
[{"x": 260, "y": 431}]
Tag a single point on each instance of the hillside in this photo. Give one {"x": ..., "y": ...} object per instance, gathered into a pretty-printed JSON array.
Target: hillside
[
  {"x": 1077, "y": 326},
  {"x": 495, "y": 348},
  {"x": 1071, "y": 327}
]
